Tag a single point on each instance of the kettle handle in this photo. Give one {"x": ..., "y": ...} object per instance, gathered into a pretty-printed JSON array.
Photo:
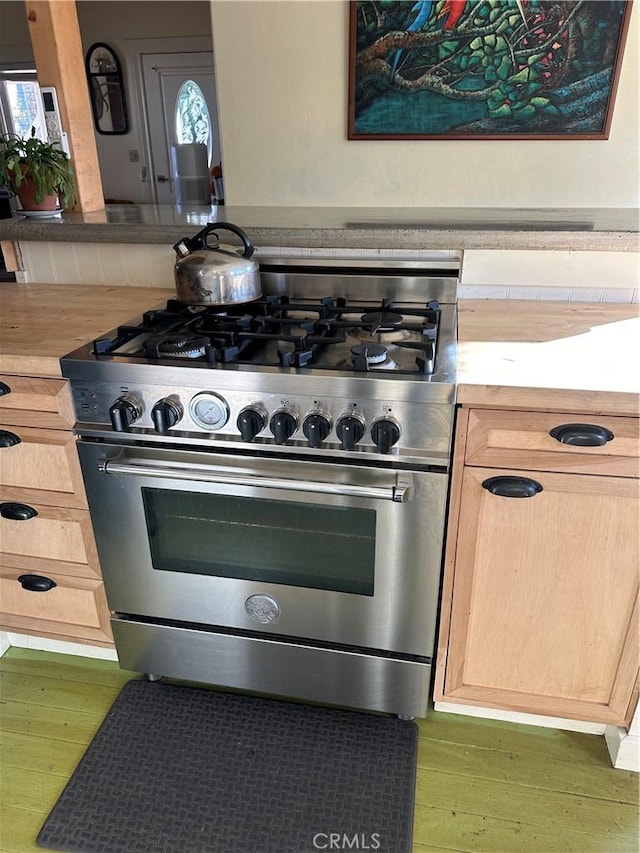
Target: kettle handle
[{"x": 200, "y": 239}]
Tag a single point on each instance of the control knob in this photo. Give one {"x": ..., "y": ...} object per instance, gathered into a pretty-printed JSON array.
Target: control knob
[
  {"x": 316, "y": 428},
  {"x": 250, "y": 422},
  {"x": 283, "y": 424},
  {"x": 385, "y": 433},
  {"x": 165, "y": 414},
  {"x": 350, "y": 429},
  {"x": 124, "y": 412}
]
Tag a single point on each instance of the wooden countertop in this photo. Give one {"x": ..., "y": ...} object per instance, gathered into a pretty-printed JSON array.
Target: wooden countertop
[
  {"x": 39, "y": 323},
  {"x": 562, "y": 356}
]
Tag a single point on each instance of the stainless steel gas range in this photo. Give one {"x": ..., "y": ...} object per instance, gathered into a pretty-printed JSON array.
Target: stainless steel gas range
[{"x": 267, "y": 481}]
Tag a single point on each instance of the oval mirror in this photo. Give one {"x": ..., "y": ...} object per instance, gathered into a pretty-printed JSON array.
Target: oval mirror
[{"x": 106, "y": 90}]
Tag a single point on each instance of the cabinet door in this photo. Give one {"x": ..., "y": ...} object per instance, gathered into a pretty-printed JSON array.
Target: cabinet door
[{"x": 544, "y": 610}]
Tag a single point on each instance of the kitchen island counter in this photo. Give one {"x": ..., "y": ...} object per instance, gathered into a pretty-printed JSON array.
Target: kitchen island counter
[
  {"x": 570, "y": 229},
  {"x": 511, "y": 353}
]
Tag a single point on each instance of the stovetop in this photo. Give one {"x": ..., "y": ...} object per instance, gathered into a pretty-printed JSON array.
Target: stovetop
[
  {"x": 326, "y": 334},
  {"x": 356, "y": 362}
]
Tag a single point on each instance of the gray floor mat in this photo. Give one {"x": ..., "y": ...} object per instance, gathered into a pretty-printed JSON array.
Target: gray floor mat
[{"x": 178, "y": 769}]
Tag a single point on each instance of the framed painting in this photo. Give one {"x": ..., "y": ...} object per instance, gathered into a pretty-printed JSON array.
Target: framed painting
[{"x": 484, "y": 69}]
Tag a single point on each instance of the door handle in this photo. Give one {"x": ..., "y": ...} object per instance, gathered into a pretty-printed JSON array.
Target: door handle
[
  {"x": 581, "y": 435},
  {"x": 36, "y": 583},
  {"x": 400, "y": 493},
  {"x": 17, "y": 512},
  {"x": 4, "y": 389},
  {"x": 162, "y": 179},
  {"x": 8, "y": 439},
  {"x": 512, "y": 487}
]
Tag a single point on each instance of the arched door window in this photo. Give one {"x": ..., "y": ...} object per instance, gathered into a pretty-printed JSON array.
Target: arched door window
[{"x": 193, "y": 123}]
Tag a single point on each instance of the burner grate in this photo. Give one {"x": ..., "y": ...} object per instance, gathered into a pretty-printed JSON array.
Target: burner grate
[{"x": 284, "y": 333}]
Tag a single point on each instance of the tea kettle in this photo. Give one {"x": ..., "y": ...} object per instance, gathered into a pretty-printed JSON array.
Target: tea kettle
[{"x": 216, "y": 275}]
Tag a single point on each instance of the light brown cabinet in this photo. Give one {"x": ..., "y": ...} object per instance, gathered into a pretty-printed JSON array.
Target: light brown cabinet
[
  {"x": 41, "y": 466},
  {"x": 540, "y": 595},
  {"x": 50, "y": 582}
]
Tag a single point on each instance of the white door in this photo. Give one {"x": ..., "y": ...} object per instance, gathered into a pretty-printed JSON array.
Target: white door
[{"x": 171, "y": 82}]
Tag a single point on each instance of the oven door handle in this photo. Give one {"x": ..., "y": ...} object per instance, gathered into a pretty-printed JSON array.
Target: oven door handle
[{"x": 400, "y": 493}]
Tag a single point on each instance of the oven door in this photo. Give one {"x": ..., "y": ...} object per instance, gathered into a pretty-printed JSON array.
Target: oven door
[{"x": 337, "y": 553}]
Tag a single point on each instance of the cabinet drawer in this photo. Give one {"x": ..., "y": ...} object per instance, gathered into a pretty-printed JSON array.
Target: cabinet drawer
[
  {"x": 30, "y": 401},
  {"x": 41, "y": 539},
  {"x": 75, "y": 608},
  {"x": 42, "y": 466},
  {"x": 522, "y": 440}
]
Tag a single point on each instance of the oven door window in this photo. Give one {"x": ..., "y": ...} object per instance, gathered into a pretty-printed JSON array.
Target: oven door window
[{"x": 298, "y": 544}]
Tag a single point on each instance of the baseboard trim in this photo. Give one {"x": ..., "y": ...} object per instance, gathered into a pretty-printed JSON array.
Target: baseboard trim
[
  {"x": 519, "y": 717},
  {"x": 5, "y": 645},
  {"x": 624, "y": 749},
  {"x": 624, "y": 745},
  {"x": 45, "y": 644}
]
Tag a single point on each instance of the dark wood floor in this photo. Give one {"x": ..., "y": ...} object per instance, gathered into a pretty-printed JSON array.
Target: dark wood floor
[{"x": 482, "y": 785}]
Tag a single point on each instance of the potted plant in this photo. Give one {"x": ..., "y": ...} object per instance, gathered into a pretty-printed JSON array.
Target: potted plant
[{"x": 38, "y": 172}]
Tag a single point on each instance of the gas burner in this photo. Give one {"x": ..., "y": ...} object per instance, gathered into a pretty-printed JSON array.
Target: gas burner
[
  {"x": 374, "y": 353},
  {"x": 371, "y": 355},
  {"x": 382, "y": 321},
  {"x": 176, "y": 345},
  {"x": 380, "y": 337},
  {"x": 211, "y": 323}
]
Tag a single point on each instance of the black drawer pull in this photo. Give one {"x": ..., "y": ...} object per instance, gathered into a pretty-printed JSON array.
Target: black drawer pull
[
  {"x": 36, "y": 583},
  {"x": 17, "y": 512},
  {"x": 581, "y": 435},
  {"x": 8, "y": 439},
  {"x": 512, "y": 487},
  {"x": 4, "y": 389}
]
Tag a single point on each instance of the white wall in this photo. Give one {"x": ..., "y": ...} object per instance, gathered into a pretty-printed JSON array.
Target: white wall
[
  {"x": 282, "y": 87},
  {"x": 282, "y": 83}
]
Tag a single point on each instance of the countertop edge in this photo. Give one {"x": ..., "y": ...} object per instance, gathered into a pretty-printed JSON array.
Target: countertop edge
[
  {"x": 595, "y": 402},
  {"x": 313, "y": 238},
  {"x": 368, "y": 228},
  {"x": 44, "y": 367}
]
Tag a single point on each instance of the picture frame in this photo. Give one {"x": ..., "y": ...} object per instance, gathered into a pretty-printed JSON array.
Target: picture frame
[{"x": 484, "y": 69}]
